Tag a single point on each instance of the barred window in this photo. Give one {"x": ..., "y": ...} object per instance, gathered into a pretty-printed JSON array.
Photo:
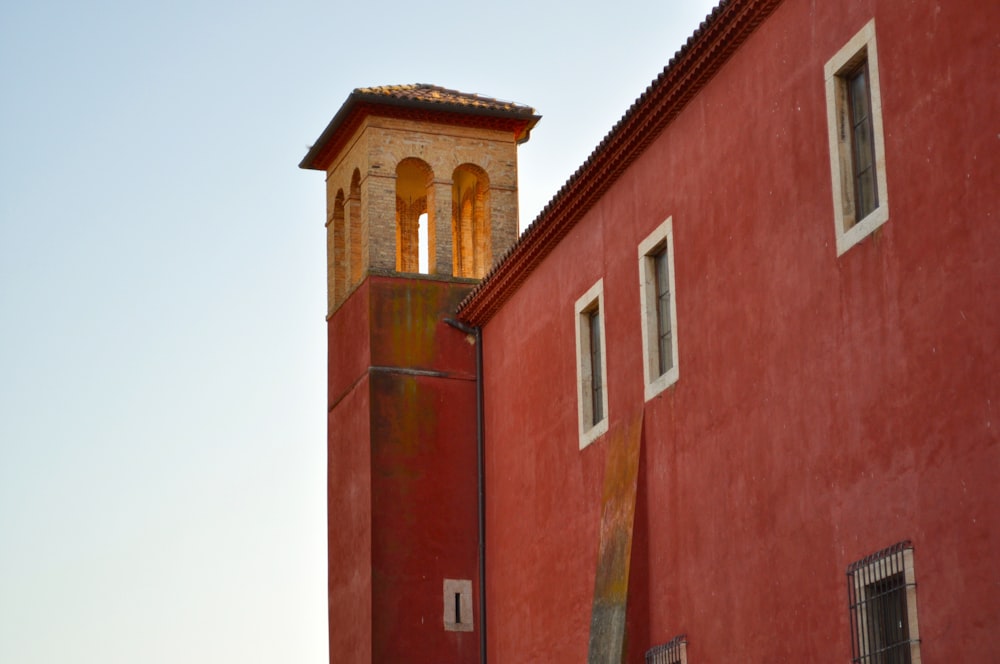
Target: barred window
[
  {"x": 658, "y": 310},
  {"x": 673, "y": 651},
  {"x": 857, "y": 141},
  {"x": 862, "y": 140},
  {"x": 591, "y": 365},
  {"x": 597, "y": 380},
  {"x": 663, "y": 345},
  {"x": 882, "y": 597}
]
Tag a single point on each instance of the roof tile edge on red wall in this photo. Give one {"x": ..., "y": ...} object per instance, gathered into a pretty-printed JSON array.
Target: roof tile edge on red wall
[{"x": 705, "y": 52}]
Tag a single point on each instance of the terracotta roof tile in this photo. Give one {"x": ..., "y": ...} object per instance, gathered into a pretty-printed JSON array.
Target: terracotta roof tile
[
  {"x": 434, "y": 94},
  {"x": 418, "y": 100},
  {"x": 718, "y": 36}
]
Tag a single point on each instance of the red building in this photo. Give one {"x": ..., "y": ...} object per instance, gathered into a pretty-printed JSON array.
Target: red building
[{"x": 739, "y": 380}]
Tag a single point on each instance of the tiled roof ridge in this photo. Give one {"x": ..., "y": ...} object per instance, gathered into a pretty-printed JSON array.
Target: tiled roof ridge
[
  {"x": 704, "y": 53},
  {"x": 436, "y": 94}
]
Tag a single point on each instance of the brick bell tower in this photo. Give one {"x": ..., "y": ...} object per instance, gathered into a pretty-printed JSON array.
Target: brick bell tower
[{"x": 421, "y": 191}]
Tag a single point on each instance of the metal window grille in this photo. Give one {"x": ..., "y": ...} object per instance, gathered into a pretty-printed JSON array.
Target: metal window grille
[
  {"x": 862, "y": 141},
  {"x": 880, "y": 589},
  {"x": 597, "y": 383},
  {"x": 663, "y": 331},
  {"x": 673, "y": 651}
]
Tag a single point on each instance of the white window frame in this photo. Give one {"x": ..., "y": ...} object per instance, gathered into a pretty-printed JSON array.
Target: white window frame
[
  {"x": 661, "y": 238},
  {"x": 849, "y": 231},
  {"x": 590, "y": 430}
]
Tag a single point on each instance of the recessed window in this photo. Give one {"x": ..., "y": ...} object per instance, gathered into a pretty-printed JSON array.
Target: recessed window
[
  {"x": 591, "y": 365},
  {"x": 673, "y": 651},
  {"x": 458, "y": 605},
  {"x": 596, "y": 362},
  {"x": 857, "y": 150},
  {"x": 659, "y": 310},
  {"x": 859, "y": 106},
  {"x": 882, "y": 594},
  {"x": 414, "y": 210},
  {"x": 470, "y": 196}
]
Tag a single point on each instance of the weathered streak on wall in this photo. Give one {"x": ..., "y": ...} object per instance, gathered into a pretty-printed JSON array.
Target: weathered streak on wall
[
  {"x": 402, "y": 476},
  {"x": 621, "y": 472}
]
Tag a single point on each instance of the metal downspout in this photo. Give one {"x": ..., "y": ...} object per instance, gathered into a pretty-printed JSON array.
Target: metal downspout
[{"x": 480, "y": 477}]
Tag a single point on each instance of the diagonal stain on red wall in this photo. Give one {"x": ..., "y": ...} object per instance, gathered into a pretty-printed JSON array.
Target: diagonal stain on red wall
[{"x": 621, "y": 472}]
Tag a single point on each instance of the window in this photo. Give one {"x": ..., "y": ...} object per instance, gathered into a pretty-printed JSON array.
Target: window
[
  {"x": 591, "y": 365},
  {"x": 862, "y": 142},
  {"x": 470, "y": 202},
  {"x": 337, "y": 257},
  {"x": 458, "y": 605},
  {"x": 659, "y": 310},
  {"x": 597, "y": 382},
  {"x": 414, "y": 211},
  {"x": 671, "y": 652},
  {"x": 882, "y": 595},
  {"x": 857, "y": 151}
]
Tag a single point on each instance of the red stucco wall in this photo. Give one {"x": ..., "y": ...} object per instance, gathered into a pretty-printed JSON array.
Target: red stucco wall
[
  {"x": 402, "y": 468},
  {"x": 349, "y": 532},
  {"x": 827, "y": 407}
]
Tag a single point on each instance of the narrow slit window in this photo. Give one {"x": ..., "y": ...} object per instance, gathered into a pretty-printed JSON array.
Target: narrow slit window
[
  {"x": 658, "y": 310},
  {"x": 663, "y": 333},
  {"x": 458, "y": 605},
  {"x": 597, "y": 382},
  {"x": 591, "y": 365},
  {"x": 857, "y": 143},
  {"x": 862, "y": 141}
]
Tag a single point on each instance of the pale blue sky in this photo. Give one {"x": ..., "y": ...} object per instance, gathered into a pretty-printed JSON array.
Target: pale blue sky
[{"x": 162, "y": 335}]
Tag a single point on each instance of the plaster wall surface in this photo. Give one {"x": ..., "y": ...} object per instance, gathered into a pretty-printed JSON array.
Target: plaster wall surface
[
  {"x": 349, "y": 535},
  {"x": 826, "y": 408},
  {"x": 402, "y": 468},
  {"x": 349, "y": 483}
]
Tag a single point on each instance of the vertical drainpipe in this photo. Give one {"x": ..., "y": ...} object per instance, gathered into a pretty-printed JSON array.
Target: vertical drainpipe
[{"x": 477, "y": 333}]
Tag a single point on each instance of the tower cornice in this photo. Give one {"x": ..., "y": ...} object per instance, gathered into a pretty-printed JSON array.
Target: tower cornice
[{"x": 420, "y": 102}]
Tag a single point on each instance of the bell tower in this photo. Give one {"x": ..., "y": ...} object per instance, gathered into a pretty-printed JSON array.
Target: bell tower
[{"x": 421, "y": 190}]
